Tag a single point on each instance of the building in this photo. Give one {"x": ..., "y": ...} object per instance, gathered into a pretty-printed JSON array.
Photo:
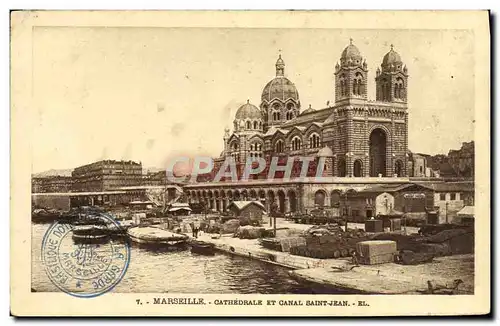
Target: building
[
  {"x": 51, "y": 184},
  {"x": 360, "y": 138},
  {"x": 251, "y": 210},
  {"x": 155, "y": 178},
  {"x": 180, "y": 209},
  {"x": 363, "y": 142},
  {"x": 451, "y": 197},
  {"x": 418, "y": 165},
  {"x": 106, "y": 175},
  {"x": 462, "y": 160},
  {"x": 413, "y": 199}
]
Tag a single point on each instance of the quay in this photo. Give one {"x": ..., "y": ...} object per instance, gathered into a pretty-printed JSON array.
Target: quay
[{"x": 390, "y": 278}]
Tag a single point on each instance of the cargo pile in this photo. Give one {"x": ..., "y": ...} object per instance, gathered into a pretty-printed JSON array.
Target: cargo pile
[
  {"x": 282, "y": 244},
  {"x": 250, "y": 232},
  {"x": 329, "y": 241}
]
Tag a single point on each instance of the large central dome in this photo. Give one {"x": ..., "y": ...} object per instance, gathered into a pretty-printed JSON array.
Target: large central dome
[{"x": 280, "y": 88}]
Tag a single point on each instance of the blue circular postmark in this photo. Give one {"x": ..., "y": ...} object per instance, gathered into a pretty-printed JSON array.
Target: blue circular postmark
[{"x": 86, "y": 260}]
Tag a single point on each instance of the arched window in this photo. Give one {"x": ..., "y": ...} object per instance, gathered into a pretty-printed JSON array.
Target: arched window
[
  {"x": 255, "y": 125},
  {"x": 296, "y": 144},
  {"x": 355, "y": 87},
  {"x": 358, "y": 168},
  {"x": 398, "y": 168},
  {"x": 278, "y": 116},
  {"x": 341, "y": 168},
  {"x": 314, "y": 141},
  {"x": 260, "y": 125},
  {"x": 249, "y": 125},
  {"x": 358, "y": 84},
  {"x": 398, "y": 89},
  {"x": 279, "y": 146},
  {"x": 289, "y": 115}
]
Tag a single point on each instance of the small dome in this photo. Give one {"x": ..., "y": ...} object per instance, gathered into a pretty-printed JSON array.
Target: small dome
[
  {"x": 325, "y": 152},
  {"x": 280, "y": 88},
  {"x": 248, "y": 111},
  {"x": 351, "y": 51},
  {"x": 309, "y": 109},
  {"x": 391, "y": 57},
  {"x": 392, "y": 61},
  {"x": 351, "y": 55}
]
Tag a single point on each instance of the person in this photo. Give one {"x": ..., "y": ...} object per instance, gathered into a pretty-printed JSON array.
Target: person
[{"x": 192, "y": 228}]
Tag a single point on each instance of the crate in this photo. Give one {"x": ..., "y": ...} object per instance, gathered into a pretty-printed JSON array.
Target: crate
[
  {"x": 374, "y": 252},
  {"x": 374, "y": 226}
]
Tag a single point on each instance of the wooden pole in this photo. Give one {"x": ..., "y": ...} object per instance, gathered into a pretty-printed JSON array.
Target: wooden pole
[{"x": 275, "y": 226}]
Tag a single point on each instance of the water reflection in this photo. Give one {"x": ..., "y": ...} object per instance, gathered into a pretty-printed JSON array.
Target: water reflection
[{"x": 185, "y": 272}]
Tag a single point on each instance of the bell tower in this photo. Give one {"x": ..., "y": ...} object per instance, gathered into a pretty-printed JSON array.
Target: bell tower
[
  {"x": 351, "y": 75},
  {"x": 392, "y": 79}
]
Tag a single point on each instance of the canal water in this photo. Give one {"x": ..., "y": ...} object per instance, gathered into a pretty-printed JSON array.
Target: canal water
[{"x": 184, "y": 272}]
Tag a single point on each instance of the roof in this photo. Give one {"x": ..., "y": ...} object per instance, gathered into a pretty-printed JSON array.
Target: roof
[
  {"x": 394, "y": 187},
  {"x": 241, "y": 204},
  {"x": 148, "y": 202},
  {"x": 450, "y": 186},
  {"x": 467, "y": 210},
  {"x": 175, "y": 209},
  {"x": 274, "y": 130},
  {"x": 309, "y": 117},
  {"x": 179, "y": 205}
]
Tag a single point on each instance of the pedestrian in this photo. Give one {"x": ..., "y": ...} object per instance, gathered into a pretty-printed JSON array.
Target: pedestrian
[{"x": 192, "y": 229}]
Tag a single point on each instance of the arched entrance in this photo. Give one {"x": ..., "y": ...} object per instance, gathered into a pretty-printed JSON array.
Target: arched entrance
[
  {"x": 398, "y": 168},
  {"x": 281, "y": 201},
  {"x": 378, "y": 144},
  {"x": 358, "y": 168},
  {"x": 319, "y": 198},
  {"x": 335, "y": 199},
  {"x": 293, "y": 201}
]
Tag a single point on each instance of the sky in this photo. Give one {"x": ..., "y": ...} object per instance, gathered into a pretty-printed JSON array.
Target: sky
[{"x": 148, "y": 94}]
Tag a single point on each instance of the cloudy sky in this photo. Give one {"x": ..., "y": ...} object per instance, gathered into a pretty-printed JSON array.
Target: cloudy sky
[{"x": 147, "y": 94}]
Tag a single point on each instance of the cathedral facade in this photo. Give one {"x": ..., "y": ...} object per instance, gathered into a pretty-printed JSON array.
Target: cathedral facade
[
  {"x": 359, "y": 137},
  {"x": 362, "y": 142}
]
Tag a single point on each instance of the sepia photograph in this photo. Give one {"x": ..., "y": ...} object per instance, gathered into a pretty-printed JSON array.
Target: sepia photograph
[{"x": 263, "y": 166}]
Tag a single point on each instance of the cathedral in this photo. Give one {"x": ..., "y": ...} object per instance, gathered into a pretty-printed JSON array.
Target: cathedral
[{"x": 360, "y": 139}]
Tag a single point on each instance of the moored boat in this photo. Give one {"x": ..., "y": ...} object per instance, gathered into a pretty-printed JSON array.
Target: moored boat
[
  {"x": 202, "y": 247},
  {"x": 90, "y": 234},
  {"x": 153, "y": 236}
]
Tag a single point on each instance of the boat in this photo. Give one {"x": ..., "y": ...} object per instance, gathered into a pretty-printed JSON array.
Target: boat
[
  {"x": 90, "y": 234},
  {"x": 202, "y": 247},
  {"x": 41, "y": 215},
  {"x": 156, "y": 237}
]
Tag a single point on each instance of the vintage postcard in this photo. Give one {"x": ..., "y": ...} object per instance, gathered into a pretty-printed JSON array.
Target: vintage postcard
[{"x": 250, "y": 163}]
